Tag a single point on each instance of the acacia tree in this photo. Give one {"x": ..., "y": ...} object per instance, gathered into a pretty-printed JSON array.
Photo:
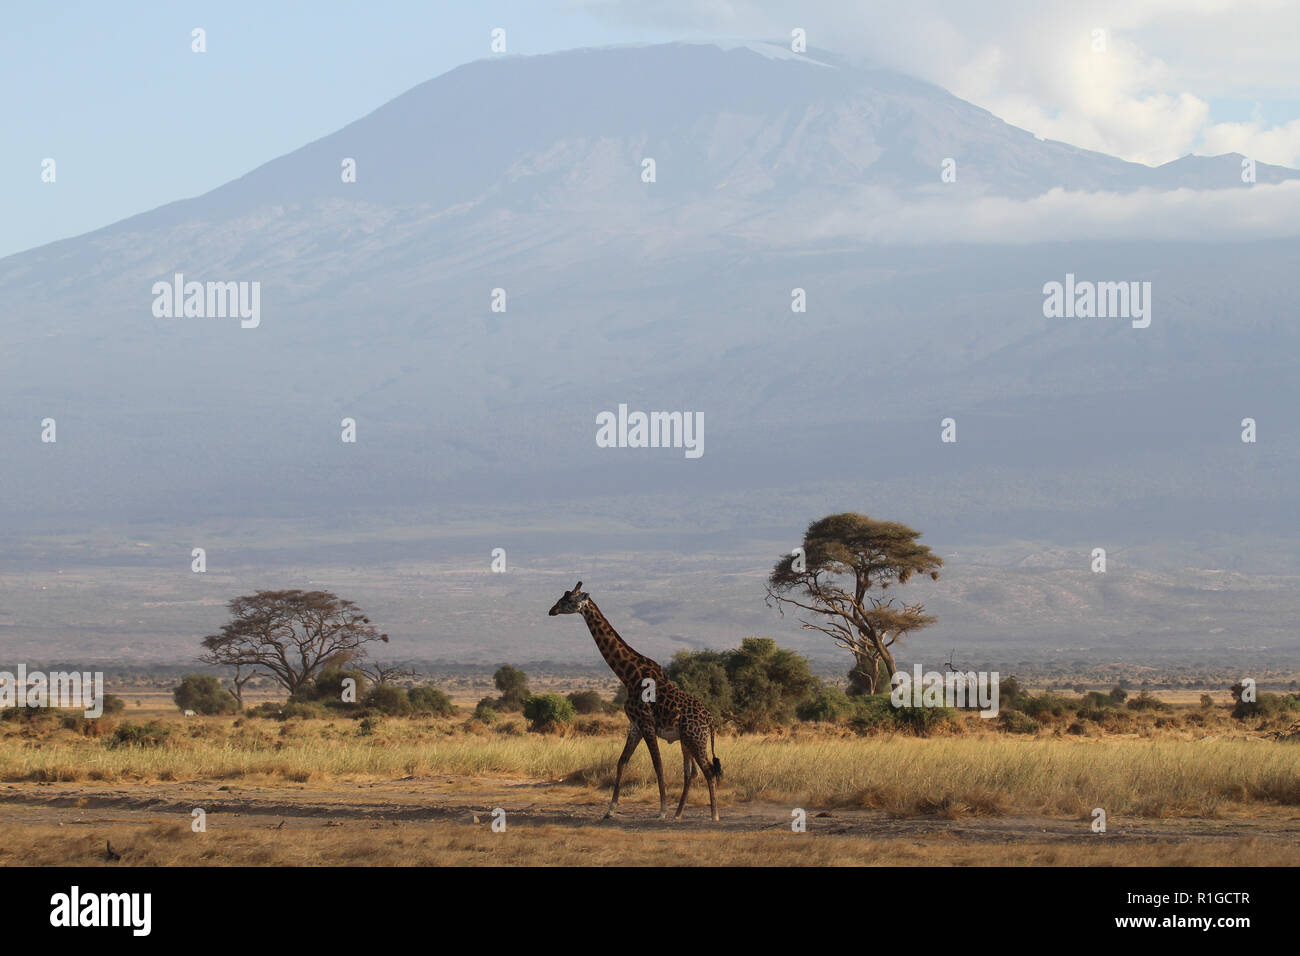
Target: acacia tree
[
  {"x": 290, "y": 635},
  {"x": 831, "y": 579}
]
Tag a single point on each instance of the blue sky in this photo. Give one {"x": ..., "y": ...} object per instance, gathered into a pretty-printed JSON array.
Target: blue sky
[{"x": 134, "y": 119}]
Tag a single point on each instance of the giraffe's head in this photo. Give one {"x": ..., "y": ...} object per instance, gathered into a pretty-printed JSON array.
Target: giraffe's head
[{"x": 571, "y": 602}]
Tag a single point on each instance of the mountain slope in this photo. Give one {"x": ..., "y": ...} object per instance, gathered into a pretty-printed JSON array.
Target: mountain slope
[{"x": 524, "y": 174}]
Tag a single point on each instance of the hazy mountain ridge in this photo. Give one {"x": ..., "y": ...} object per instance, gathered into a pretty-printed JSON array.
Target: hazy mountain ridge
[{"x": 524, "y": 173}]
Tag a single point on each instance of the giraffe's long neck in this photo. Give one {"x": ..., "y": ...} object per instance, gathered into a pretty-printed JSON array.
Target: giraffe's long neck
[{"x": 627, "y": 664}]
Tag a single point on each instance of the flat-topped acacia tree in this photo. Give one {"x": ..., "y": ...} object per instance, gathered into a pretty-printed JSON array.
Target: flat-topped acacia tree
[
  {"x": 848, "y": 560},
  {"x": 291, "y": 635}
]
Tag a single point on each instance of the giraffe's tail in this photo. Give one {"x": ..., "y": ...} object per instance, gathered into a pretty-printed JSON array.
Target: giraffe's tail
[{"x": 717, "y": 764}]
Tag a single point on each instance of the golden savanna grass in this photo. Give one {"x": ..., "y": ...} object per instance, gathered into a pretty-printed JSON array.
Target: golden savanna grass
[{"x": 983, "y": 773}]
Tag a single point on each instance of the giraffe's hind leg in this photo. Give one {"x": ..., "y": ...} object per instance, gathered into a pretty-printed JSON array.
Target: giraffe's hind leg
[
  {"x": 688, "y": 774},
  {"x": 699, "y": 750},
  {"x": 633, "y": 738}
]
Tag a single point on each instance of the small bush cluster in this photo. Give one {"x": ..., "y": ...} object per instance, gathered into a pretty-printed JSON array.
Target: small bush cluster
[
  {"x": 429, "y": 700},
  {"x": 874, "y": 713},
  {"x": 1146, "y": 701},
  {"x": 590, "y": 702},
  {"x": 1015, "y": 722},
  {"x": 1020, "y": 712},
  {"x": 757, "y": 687},
  {"x": 330, "y": 694},
  {"x": 828, "y": 704},
  {"x": 1267, "y": 706},
  {"x": 513, "y": 685},
  {"x": 203, "y": 694},
  {"x": 548, "y": 712},
  {"x": 151, "y": 734}
]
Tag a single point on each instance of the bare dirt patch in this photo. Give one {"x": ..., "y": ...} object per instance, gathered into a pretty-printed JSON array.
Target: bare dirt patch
[{"x": 446, "y": 819}]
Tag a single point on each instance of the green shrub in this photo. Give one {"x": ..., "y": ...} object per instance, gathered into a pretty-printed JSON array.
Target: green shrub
[
  {"x": 289, "y": 710},
  {"x": 1011, "y": 696},
  {"x": 758, "y": 685},
  {"x": 703, "y": 675},
  {"x": 328, "y": 688},
  {"x": 588, "y": 702},
  {"x": 877, "y": 713},
  {"x": 828, "y": 704},
  {"x": 27, "y": 714},
  {"x": 923, "y": 721},
  {"x": 513, "y": 684},
  {"x": 430, "y": 700},
  {"x": 1015, "y": 722},
  {"x": 865, "y": 675},
  {"x": 768, "y": 683},
  {"x": 1145, "y": 701},
  {"x": 302, "y": 711},
  {"x": 388, "y": 699},
  {"x": 88, "y": 726},
  {"x": 1008, "y": 690},
  {"x": 1267, "y": 705},
  {"x": 872, "y": 712},
  {"x": 548, "y": 711},
  {"x": 203, "y": 694},
  {"x": 113, "y": 704},
  {"x": 140, "y": 735},
  {"x": 1045, "y": 706},
  {"x": 1096, "y": 700}
]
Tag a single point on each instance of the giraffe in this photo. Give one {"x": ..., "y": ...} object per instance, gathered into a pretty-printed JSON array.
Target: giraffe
[{"x": 670, "y": 712}]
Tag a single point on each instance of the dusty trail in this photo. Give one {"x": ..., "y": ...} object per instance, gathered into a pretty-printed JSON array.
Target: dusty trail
[{"x": 449, "y": 799}]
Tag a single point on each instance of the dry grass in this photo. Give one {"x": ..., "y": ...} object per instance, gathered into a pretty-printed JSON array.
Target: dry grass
[
  {"x": 987, "y": 773},
  {"x": 434, "y": 844}
]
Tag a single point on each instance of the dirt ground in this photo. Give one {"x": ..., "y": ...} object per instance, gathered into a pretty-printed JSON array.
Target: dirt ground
[{"x": 448, "y": 820}]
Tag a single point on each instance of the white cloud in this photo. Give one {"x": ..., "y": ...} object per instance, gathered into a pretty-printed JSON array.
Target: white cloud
[
  {"x": 876, "y": 215},
  {"x": 1146, "y": 98},
  {"x": 1277, "y": 144}
]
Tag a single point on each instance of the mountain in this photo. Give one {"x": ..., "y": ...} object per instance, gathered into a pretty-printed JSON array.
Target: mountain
[
  {"x": 524, "y": 132},
  {"x": 525, "y": 174}
]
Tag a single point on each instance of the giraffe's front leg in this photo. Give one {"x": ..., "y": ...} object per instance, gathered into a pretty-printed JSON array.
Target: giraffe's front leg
[
  {"x": 653, "y": 743},
  {"x": 633, "y": 738}
]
